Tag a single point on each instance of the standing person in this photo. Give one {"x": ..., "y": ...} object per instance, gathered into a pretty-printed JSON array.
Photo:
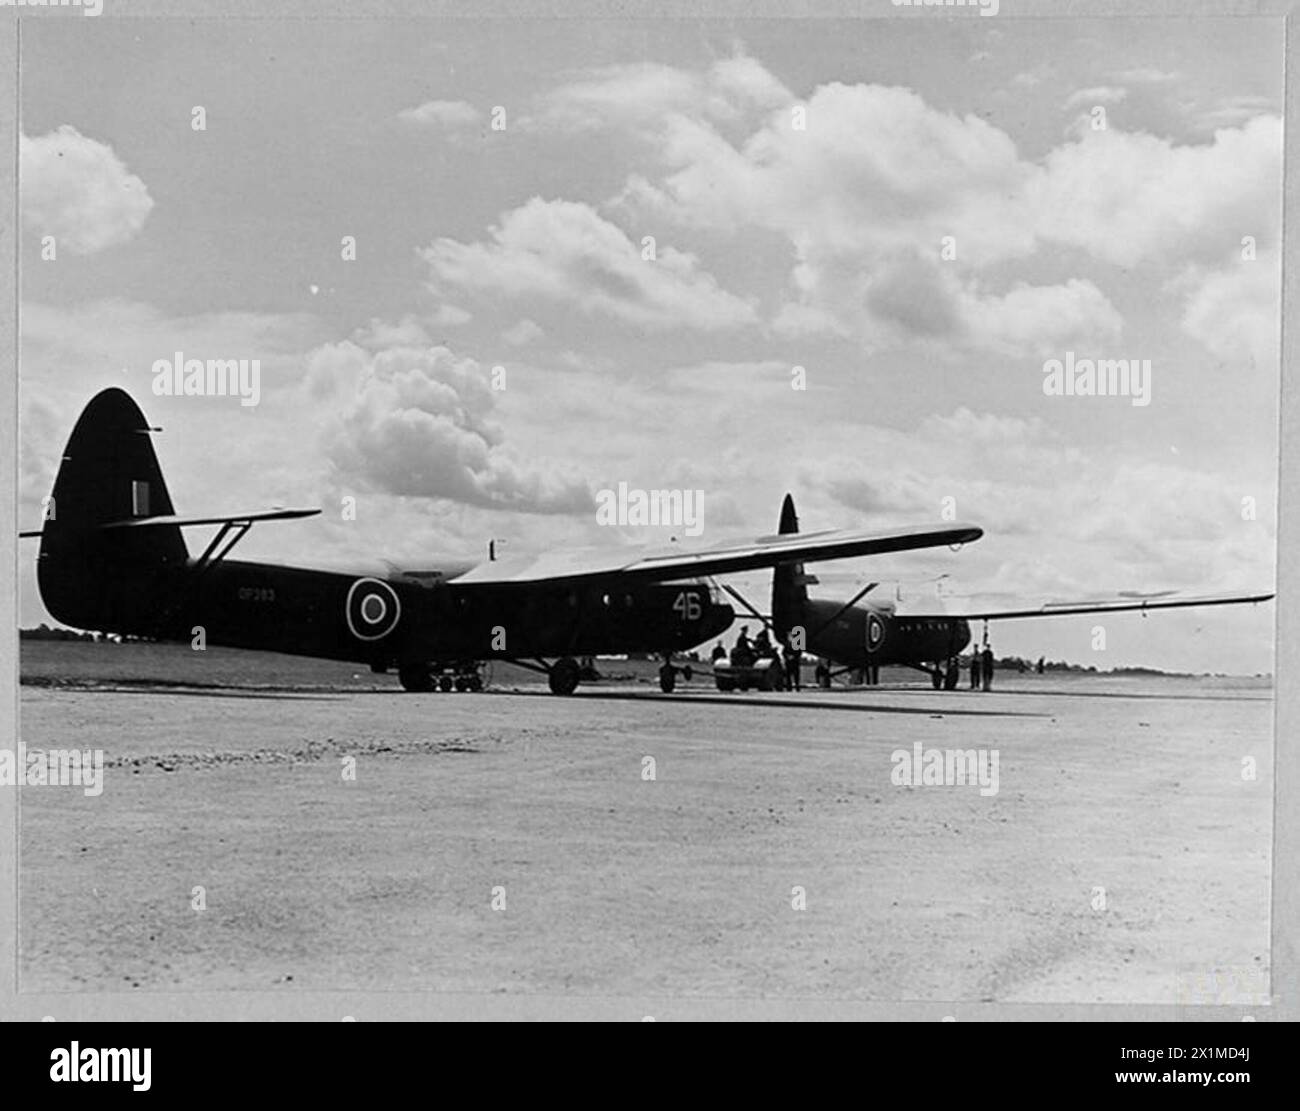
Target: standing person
[
  {"x": 986, "y": 666},
  {"x": 793, "y": 660},
  {"x": 974, "y": 670}
]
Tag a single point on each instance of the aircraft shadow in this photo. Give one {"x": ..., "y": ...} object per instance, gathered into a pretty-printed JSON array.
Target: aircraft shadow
[
  {"x": 1172, "y": 696},
  {"x": 770, "y": 703},
  {"x": 208, "y": 692}
]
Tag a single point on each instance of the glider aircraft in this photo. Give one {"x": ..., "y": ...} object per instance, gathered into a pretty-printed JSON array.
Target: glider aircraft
[
  {"x": 113, "y": 558},
  {"x": 857, "y": 637}
]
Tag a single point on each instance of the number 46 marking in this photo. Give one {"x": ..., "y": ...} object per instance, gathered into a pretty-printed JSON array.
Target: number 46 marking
[{"x": 688, "y": 605}]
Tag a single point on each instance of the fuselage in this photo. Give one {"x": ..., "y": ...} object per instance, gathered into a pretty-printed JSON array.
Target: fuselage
[
  {"x": 386, "y": 621},
  {"x": 875, "y": 635}
]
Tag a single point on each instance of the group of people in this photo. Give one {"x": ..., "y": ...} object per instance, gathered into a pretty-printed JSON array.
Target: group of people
[
  {"x": 981, "y": 669},
  {"x": 790, "y": 659},
  {"x": 746, "y": 652}
]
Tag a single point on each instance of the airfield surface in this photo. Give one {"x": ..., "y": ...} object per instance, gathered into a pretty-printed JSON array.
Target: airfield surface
[{"x": 615, "y": 883}]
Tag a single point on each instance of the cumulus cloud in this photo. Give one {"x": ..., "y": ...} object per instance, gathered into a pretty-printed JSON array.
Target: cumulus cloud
[
  {"x": 78, "y": 190},
  {"x": 650, "y": 95},
  {"x": 1163, "y": 524},
  {"x": 745, "y": 81},
  {"x": 1041, "y": 319},
  {"x": 1232, "y": 111},
  {"x": 562, "y": 251},
  {"x": 450, "y": 316},
  {"x": 525, "y": 332},
  {"x": 1144, "y": 75},
  {"x": 407, "y": 332},
  {"x": 1126, "y": 197},
  {"x": 880, "y": 179},
  {"x": 442, "y": 113},
  {"x": 904, "y": 297},
  {"x": 876, "y": 167},
  {"x": 1235, "y": 311},
  {"x": 866, "y": 219},
  {"x": 1096, "y": 94},
  {"x": 417, "y": 421}
]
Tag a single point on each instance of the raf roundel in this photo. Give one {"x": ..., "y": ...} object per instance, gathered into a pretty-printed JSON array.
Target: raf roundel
[
  {"x": 875, "y": 632},
  {"x": 373, "y": 609}
]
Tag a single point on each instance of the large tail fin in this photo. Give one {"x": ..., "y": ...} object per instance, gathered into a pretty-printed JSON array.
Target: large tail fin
[
  {"x": 788, "y": 590},
  {"x": 97, "y": 577}
]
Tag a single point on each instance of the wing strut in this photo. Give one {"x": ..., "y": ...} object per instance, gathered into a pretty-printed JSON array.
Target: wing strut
[
  {"x": 208, "y": 559},
  {"x": 845, "y": 608},
  {"x": 745, "y": 602}
]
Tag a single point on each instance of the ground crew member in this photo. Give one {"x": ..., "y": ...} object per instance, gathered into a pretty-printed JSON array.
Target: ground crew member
[
  {"x": 742, "y": 655},
  {"x": 793, "y": 664}
]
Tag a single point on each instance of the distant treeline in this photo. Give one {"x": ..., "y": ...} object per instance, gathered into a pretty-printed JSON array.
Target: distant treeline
[
  {"x": 1006, "y": 663},
  {"x": 44, "y": 632},
  {"x": 1015, "y": 663}
]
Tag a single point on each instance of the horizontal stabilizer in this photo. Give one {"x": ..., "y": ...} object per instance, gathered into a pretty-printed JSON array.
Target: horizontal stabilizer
[
  {"x": 227, "y": 519},
  {"x": 170, "y": 520}
]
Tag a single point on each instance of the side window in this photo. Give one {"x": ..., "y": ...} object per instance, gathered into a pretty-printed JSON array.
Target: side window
[{"x": 139, "y": 498}]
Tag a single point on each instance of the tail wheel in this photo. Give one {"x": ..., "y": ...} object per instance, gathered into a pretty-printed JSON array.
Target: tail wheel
[{"x": 564, "y": 675}]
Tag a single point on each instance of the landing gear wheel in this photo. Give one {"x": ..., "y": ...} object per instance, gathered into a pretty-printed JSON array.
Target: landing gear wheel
[
  {"x": 667, "y": 678},
  {"x": 564, "y": 675},
  {"x": 954, "y": 674},
  {"x": 445, "y": 683},
  {"x": 415, "y": 677},
  {"x": 474, "y": 683}
]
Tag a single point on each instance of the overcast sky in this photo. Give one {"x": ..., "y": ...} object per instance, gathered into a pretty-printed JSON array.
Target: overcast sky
[{"x": 775, "y": 246}]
